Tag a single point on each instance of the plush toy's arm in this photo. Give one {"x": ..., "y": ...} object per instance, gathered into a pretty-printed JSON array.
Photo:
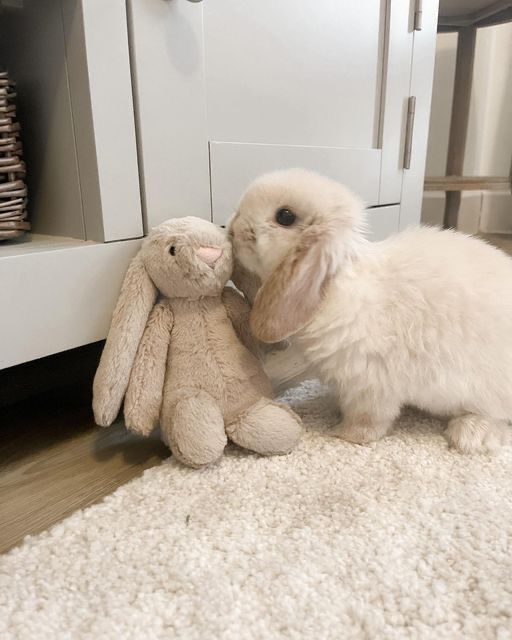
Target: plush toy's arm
[
  {"x": 143, "y": 399},
  {"x": 238, "y": 312}
]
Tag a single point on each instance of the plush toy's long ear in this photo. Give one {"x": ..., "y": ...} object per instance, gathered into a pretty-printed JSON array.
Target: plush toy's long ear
[
  {"x": 290, "y": 296},
  {"x": 245, "y": 281},
  {"x": 137, "y": 297}
]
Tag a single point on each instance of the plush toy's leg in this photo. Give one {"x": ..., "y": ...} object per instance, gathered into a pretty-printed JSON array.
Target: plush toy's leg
[
  {"x": 267, "y": 428},
  {"x": 193, "y": 427}
]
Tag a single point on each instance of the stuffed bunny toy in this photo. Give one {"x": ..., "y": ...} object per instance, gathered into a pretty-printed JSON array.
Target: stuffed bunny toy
[
  {"x": 423, "y": 318},
  {"x": 187, "y": 361}
]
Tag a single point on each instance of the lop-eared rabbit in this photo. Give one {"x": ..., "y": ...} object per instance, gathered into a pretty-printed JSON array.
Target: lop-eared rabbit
[{"x": 423, "y": 318}]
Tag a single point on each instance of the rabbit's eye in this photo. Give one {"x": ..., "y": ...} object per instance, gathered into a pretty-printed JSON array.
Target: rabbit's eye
[
  {"x": 285, "y": 217},
  {"x": 172, "y": 251}
]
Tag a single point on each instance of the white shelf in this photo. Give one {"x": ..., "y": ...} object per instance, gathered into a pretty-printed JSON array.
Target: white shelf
[
  {"x": 57, "y": 294},
  {"x": 37, "y": 243}
]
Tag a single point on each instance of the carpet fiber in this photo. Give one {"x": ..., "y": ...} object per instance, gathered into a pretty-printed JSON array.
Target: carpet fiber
[{"x": 401, "y": 539}]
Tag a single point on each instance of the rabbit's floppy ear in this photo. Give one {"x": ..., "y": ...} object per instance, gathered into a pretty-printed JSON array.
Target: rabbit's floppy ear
[
  {"x": 137, "y": 297},
  {"x": 290, "y": 296}
]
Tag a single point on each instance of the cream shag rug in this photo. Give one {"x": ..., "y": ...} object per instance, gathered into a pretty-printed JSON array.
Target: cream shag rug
[{"x": 401, "y": 539}]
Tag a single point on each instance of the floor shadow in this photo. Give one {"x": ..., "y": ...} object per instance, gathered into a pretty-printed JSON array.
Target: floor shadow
[
  {"x": 135, "y": 450},
  {"x": 42, "y": 421}
]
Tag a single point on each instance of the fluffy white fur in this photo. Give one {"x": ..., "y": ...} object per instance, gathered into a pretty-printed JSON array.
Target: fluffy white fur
[{"x": 423, "y": 318}]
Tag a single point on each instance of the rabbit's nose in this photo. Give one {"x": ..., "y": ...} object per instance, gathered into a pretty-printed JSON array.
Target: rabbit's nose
[{"x": 210, "y": 255}]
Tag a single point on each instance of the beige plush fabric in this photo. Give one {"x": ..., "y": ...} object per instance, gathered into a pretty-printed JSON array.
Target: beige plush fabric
[{"x": 401, "y": 539}]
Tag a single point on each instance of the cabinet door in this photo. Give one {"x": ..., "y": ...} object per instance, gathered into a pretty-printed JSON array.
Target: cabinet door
[{"x": 227, "y": 90}]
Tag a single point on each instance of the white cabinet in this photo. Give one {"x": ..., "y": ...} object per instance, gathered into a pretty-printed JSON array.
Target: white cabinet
[
  {"x": 227, "y": 90},
  {"x": 135, "y": 111}
]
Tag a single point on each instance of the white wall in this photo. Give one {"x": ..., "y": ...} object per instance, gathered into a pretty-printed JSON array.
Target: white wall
[{"x": 489, "y": 142}]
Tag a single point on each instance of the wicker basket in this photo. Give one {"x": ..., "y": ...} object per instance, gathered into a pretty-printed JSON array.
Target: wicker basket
[{"x": 13, "y": 190}]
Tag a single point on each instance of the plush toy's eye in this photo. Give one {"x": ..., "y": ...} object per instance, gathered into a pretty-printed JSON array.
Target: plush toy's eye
[
  {"x": 172, "y": 251},
  {"x": 285, "y": 217}
]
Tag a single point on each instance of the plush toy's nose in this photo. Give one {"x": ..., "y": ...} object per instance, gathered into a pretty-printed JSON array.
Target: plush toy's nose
[{"x": 210, "y": 255}]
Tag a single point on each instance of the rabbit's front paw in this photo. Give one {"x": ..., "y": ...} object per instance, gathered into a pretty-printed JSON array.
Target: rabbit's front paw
[
  {"x": 361, "y": 430},
  {"x": 472, "y": 433}
]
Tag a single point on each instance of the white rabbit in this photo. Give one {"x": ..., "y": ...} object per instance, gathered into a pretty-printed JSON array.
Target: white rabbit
[{"x": 423, "y": 318}]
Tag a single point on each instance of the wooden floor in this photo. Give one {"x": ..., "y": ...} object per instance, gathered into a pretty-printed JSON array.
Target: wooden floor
[{"x": 53, "y": 459}]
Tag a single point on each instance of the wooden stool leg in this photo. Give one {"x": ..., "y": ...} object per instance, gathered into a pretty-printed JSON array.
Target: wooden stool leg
[{"x": 460, "y": 118}]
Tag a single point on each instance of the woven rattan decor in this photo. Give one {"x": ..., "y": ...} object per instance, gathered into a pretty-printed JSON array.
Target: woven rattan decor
[{"x": 13, "y": 190}]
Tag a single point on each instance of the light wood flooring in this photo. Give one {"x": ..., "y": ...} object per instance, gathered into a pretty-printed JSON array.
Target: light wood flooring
[{"x": 54, "y": 460}]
